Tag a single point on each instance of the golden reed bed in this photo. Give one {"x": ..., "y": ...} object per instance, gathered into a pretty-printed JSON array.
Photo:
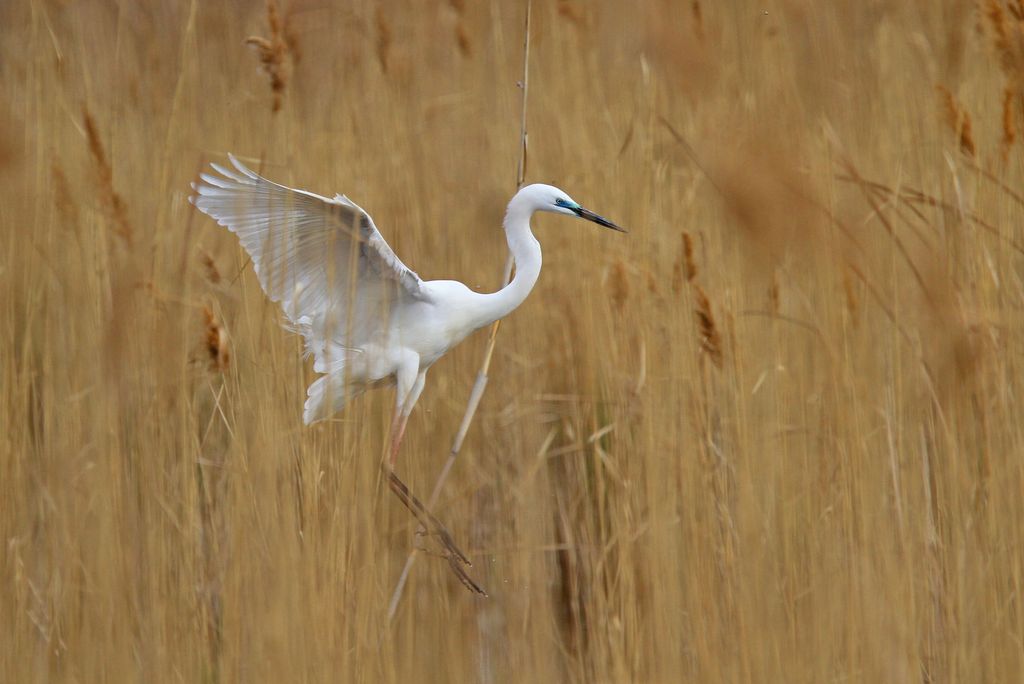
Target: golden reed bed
[{"x": 775, "y": 435}]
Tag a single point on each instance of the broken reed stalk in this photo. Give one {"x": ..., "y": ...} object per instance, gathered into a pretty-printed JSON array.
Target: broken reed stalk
[{"x": 481, "y": 377}]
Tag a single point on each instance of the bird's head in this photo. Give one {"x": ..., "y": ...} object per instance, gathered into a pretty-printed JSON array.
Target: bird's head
[{"x": 549, "y": 198}]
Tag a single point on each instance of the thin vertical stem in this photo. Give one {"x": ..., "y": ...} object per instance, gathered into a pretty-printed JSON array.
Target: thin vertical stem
[{"x": 481, "y": 377}]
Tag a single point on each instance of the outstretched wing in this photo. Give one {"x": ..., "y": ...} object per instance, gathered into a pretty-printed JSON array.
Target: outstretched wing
[{"x": 322, "y": 259}]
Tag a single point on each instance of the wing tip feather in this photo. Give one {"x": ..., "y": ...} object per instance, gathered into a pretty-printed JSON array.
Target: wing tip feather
[{"x": 242, "y": 168}]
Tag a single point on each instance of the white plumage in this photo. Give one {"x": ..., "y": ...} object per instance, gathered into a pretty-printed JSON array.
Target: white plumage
[
  {"x": 323, "y": 260},
  {"x": 367, "y": 319}
]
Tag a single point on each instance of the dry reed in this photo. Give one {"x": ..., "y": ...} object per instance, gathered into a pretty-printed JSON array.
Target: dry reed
[
  {"x": 383, "y": 40},
  {"x": 1009, "y": 123},
  {"x": 274, "y": 51},
  {"x": 618, "y": 285},
  {"x": 216, "y": 342},
  {"x": 773, "y": 434},
  {"x": 109, "y": 197},
  {"x": 959, "y": 120},
  {"x": 710, "y": 340},
  {"x": 462, "y": 39}
]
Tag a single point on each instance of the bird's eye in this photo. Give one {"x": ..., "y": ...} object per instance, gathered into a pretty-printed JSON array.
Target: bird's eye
[{"x": 561, "y": 202}]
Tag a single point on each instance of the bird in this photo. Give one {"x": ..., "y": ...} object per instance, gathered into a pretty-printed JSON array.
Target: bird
[{"x": 367, "y": 319}]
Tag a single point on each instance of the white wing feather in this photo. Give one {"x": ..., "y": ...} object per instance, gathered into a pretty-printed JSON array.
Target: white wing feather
[{"x": 323, "y": 259}]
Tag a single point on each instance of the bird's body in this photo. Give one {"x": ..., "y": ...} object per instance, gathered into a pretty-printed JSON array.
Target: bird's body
[
  {"x": 411, "y": 340},
  {"x": 367, "y": 319}
]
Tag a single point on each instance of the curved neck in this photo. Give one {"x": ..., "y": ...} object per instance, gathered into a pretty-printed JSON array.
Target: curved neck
[{"x": 527, "y": 255}]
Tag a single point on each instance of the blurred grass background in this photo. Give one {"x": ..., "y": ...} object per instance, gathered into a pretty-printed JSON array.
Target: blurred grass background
[{"x": 771, "y": 435}]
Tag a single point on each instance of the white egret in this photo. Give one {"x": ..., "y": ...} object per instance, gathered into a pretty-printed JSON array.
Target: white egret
[{"x": 367, "y": 319}]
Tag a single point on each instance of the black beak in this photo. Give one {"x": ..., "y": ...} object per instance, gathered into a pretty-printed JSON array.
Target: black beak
[{"x": 599, "y": 220}]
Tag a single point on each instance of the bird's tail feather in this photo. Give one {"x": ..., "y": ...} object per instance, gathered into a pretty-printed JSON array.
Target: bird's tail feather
[{"x": 325, "y": 397}]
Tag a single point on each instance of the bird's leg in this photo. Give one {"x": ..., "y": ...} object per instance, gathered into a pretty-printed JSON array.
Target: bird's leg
[
  {"x": 456, "y": 558},
  {"x": 451, "y": 552},
  {"x": 425, "y": 517},
  {"x": 397, "y": 432}
]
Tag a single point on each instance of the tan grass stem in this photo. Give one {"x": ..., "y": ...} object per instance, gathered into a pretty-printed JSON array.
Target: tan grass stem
[{"x": 480, "y": 385}]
